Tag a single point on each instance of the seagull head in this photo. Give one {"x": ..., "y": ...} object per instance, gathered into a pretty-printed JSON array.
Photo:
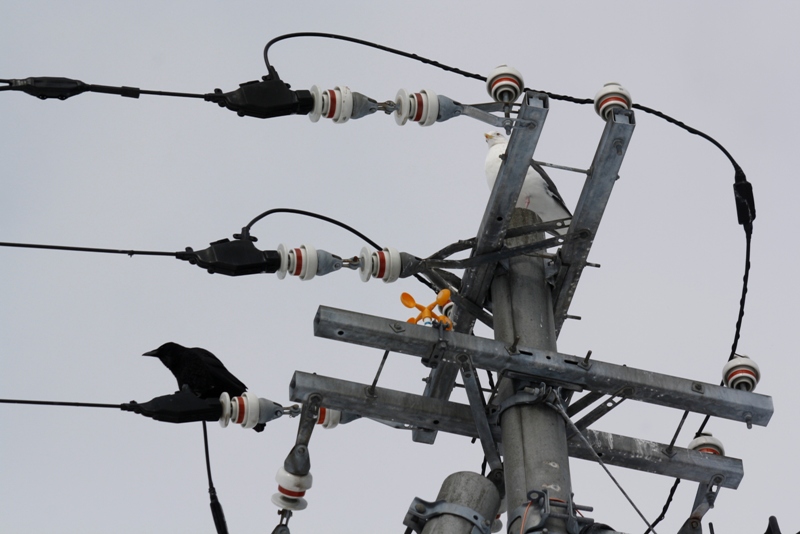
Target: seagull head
[{"x": 494, "y": 138}]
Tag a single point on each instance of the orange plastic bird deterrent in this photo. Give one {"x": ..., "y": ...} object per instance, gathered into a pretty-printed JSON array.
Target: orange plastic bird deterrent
[{"x": 427, "y": 315}]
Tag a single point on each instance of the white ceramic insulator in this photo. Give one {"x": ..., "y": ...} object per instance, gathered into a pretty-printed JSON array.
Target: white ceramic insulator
[
  {"x": 430, "y": 109},
  {"x": 611, "y": 96},
  {"x": 346, "y": 104},
  {"x": 741, "y": 373},
  {"x": 708, "y": 444},
  {"x": 316, "y": 113},
  {"x": 403, "y": 107},
  {"x": 331, "y": 104},
  {"x": 301, "y": 262},
  {"x": 284, "y": 254},
  {"x": 365, "y": 264},
  {"x": 291, "y": 489},
  {"x": 329, "y": 418},
  {"x": 245, "y": 410},
  {"x": 422, "y": 107},
  {"x": 386, "y": 264},
  {"x": 505, "y": 84},
  {"x": 225, "y": 402}
]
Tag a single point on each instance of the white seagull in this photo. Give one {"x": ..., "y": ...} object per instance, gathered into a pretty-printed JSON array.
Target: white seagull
[{"x": 539, "y": 194}]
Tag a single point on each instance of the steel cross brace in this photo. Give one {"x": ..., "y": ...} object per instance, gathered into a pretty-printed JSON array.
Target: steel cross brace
[
  {"x": 591, "y": 205},
  {"x": 478, "y": 407},
  {"x": 551, "y": 367},
  {"x": 491, "y": 233},
  {"x": 408, "y": 410}
]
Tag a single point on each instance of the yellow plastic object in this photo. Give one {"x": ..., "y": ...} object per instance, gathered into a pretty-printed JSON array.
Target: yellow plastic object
[{"x": 427, "y": 315}]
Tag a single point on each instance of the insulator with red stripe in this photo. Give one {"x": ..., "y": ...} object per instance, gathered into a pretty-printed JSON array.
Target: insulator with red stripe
[
  {"x": 611, "y": 96},
  {"x": 243, "y": 410},
  {"x": 384, "y": 264},
  {"x": 505, "y": 84},
  {"x": 328, "y": 418},
  {"x": 741, "y": 373},
  {"x": 300, "y": 262},
  {"x": 291, "y": 489},
  {"x": 708, "y": 444},
  {"x": 422, "y": 107},
  {"x": 335, "y": 104}
]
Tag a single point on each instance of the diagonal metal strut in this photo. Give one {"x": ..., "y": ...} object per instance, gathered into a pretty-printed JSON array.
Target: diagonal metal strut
[{"x": 475, "y": 282}]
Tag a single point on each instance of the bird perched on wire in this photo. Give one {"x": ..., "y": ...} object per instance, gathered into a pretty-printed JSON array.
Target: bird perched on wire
[
  {"x": 199, "y": 370},
  {"x": 539, "y": 194}
]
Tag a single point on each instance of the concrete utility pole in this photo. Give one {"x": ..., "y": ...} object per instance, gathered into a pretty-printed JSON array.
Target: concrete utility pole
[{"x": 534, "y": 436}]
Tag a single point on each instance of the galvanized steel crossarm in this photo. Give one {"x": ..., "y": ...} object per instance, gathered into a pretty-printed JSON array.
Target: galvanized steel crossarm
[
  {"x": 407, "y": 410},
  {"x": 589, "y": 211},
  {"x": 442, "y": 347},
  {"x": 492, "y": 230}
]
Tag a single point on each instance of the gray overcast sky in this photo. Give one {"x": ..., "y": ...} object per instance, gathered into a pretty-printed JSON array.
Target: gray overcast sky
[{"x": 163, "y": 174}]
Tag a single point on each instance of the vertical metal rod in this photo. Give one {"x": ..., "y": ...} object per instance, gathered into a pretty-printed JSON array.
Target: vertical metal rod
[{"x": 534, "y": 436}]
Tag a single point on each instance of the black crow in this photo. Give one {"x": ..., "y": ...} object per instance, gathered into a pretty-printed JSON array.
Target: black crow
[{"x": 199, "y": 370}]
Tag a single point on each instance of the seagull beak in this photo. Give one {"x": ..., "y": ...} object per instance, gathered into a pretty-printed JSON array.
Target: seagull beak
[
  {"x": 153, "y": 352},
  {"x": 488, "y": 135}
]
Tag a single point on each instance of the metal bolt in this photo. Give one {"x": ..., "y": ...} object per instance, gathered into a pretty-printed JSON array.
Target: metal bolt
[{"x": 420, "y": 508}]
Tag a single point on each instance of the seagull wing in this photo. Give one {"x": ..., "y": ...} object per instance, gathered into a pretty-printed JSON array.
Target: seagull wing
[{"x": 551, "y": 186}]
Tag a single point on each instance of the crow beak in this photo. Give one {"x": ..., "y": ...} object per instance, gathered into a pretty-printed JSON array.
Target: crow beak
[{"x": 153, "y": 352}]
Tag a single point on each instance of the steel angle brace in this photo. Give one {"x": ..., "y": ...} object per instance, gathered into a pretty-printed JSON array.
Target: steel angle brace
[
  {"x": 547, "y": 366},
  {"x": 491, "y": 233},
  {"x": 477, "y": 405},
  {"x": 704, "y": 501},
  {"x": 407, "y": 410},
  {"x": 387, "y": 406},
  {"x": 606, "y": 406},
  {"x": 589, "y": 211}
]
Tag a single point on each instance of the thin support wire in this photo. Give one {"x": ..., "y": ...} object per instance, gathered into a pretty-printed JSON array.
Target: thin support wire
[
  {"x": 378, "y": 374},
  {"x": 577, "y": 432}
]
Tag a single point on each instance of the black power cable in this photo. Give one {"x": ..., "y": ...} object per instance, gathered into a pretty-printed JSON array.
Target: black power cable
[
  {"x": 90, "y": 249},
  {"x": 216, "y": 507},
  {"x": 57, "y": 403}
]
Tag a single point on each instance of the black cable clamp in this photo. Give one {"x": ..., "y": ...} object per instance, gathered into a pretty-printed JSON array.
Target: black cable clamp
[{"x": 233, "y": 258}]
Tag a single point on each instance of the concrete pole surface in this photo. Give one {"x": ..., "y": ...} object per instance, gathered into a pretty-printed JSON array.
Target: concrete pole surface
[
  {"x": 467, "y": 489},
  {"x": 534, "y": 436}
]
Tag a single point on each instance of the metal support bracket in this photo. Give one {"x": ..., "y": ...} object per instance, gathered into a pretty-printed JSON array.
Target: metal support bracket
[
  {"x": 706, "y": 496},
  {"x": 606, "y": 406},
  {"x": 409, "y": 410},
  {"x": 491, "y": 233},
  {"x": 551, "y": 367},
  {"x": 420, "y": 512},
  {"x": 589, "y": 211},
  {"x": 526, "y": 395},
  {"x": 478, "y": 406}
]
